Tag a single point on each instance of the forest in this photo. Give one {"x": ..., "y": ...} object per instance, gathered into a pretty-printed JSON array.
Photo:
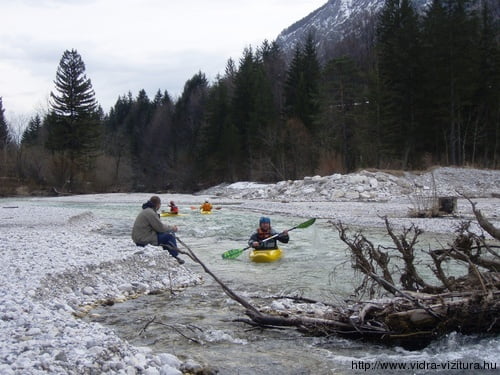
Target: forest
[{"x": 411, "y": 91}]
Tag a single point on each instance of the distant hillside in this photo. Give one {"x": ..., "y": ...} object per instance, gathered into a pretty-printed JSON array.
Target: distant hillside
[{"x": 338, "y": 21}]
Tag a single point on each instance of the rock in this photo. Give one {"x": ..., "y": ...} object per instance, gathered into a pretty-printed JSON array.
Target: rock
[
  {"x": 151, "y": 371},
  {"x": 360, "y": 188},
  {"x": 61, "y": 356},
  {"x": 324, "y": 192},
  {"x": 373, "y": 182},
  {"x": 356, "y": 179},
  {"x": 125, "y": 288},
  {"x": 352, "y": 195},
  {"x": 336, "y": 176},
  {"x": 191, "y": 367},
  {"x": 336, "y": 194},
  {"x": 138, "y": 361},
  {"x": 88, "y": 291},
  {"x": 169, "y": 359},
  {"x": 140, "y": 287},
  {"x": 365, "y": 195},
  {"x": 167, "y": 370}
]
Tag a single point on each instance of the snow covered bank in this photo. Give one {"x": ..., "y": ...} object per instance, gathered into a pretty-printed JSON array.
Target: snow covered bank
[{"x": 54, "y": 266}]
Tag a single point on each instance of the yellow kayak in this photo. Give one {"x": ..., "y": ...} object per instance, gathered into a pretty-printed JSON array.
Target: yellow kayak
[
  {"x": 168, "y": 214},
  {"x": 265, "y": 256},
  {"x": 205, "y": 212}
]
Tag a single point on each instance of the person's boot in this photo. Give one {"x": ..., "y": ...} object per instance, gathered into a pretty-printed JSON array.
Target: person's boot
[{"x": 179, "y": 260}]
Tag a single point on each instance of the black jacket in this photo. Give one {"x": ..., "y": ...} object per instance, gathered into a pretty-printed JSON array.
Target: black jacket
[{"x": 270, "y": 244}]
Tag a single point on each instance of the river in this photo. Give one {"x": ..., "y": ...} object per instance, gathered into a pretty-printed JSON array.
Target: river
[{"x": 198, "y": 324}]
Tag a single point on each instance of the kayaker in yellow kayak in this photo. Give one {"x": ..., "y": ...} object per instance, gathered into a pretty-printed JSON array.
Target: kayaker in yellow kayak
[
  {"x": 173, "y": 208},
  {"x": 265, "y": 231}
]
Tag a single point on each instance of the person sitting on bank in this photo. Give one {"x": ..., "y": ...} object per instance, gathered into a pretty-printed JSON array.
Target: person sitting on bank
[
  {"x": 265, "y": 231},
  {"x": 148, "y": 229},
  {"x": 173, "y": 208},
  {"x": 206, "y": 206}
]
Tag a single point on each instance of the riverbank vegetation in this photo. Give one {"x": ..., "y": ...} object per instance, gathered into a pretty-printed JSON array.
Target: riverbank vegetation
[{"x": 413, "y": 90}]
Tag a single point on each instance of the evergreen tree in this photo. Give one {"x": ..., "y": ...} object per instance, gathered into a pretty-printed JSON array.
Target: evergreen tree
[
  {"x": 116, "y": 139},
  {"x": 301, "y": 107},
  {"x": 254, "y": 113},
  {"x": 486, "y": 134},
  {"x": 398, "y": 45},
  {"x": 32, "y": 132},
  {"x": 434, "y": 38},
  {"x": 189, "y": 117},
  {"x": 451, "y": 53},
  {"x": 4, "y": 130},
  {"x": 219, "y": 137},
  {"x": 302, "y": 84},
  {"x": 342, "y": 91},
  {"x": 276, "y": 163},
  {"x": 73, "y": 121},
  {"x": 243, "y": 110},
  {"x": 137, "y": 122}
]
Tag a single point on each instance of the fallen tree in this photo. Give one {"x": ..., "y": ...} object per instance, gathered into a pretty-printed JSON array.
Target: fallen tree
[{"x": 402, "y": 307}]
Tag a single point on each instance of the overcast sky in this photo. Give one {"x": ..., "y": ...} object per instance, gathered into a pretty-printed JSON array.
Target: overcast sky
[{"x": 128, "y": 45}]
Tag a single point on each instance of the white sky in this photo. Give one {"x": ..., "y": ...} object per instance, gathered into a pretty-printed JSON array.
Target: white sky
[{"x": 128, "y": 45}]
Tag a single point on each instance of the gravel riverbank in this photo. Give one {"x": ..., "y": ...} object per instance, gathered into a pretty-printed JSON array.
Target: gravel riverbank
[{"x": 55, "y": 263}]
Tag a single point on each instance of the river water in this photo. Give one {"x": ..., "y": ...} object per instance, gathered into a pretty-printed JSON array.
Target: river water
[{"x": 198, "y": 322}]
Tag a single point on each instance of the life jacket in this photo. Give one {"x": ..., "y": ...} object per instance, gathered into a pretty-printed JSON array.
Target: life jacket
[
  {"x": 263, "y": 234},
  {"x": 174, "y": 209}
]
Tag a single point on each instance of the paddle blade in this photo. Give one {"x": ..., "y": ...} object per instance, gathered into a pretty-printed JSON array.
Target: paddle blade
[
  {"x": 306, "y": 224},
  {"x": 231, "y": 254}
]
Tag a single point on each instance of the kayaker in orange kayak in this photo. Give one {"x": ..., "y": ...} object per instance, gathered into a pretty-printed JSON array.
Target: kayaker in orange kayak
[
  {"x": 265, "y": 231},
  {"x": 206, "y": 206}
]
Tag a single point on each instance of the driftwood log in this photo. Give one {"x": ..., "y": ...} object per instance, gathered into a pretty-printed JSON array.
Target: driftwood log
[{"x": 402, "y": 307}]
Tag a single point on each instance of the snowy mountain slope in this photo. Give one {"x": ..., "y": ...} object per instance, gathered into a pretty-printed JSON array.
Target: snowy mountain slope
[{"x": 338, "y": 19}]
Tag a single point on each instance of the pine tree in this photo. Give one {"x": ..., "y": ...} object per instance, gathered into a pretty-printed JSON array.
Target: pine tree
[
  {"x": 116, "y": 139},
  {"x": 486, "y": 138},
  {"x": 73, "y": 121},
  {"x": 452, "y": 62},
  {"x": 32, "y": 132},
  {"x": 302, "y": 108},
  {"x": 302, "y": 83},
  {"x": 189, "y": 117},
  {"x": 219, "y": 137},
  {"x": 434, "y": 26},
  {"x": 243, "y": 111},
  {"x": 254, "y": 114},
  {"x": 4, "y": 130},
  {"x": 398, "y": 47},
  {"x": 341, "y": 99}
]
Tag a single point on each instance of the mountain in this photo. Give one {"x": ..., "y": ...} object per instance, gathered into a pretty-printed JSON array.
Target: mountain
[{"x": 342, "y": 23}]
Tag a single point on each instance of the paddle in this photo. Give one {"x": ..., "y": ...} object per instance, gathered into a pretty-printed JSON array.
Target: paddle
[{"x": 234, "y": 253}]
